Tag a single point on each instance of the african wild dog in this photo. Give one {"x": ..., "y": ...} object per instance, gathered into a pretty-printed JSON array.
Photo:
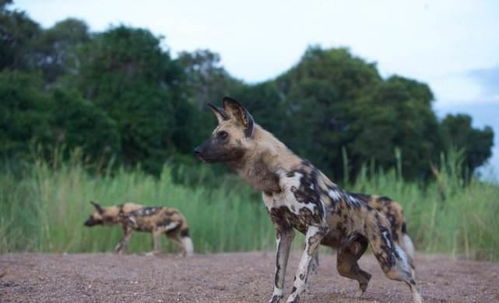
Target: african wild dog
[
  {"x": 299, "y": 196},
  {"x": 135, "y": 217}
]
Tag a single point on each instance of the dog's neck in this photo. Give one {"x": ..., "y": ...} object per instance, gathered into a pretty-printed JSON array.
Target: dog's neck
[{"x": 263, "y": 163}]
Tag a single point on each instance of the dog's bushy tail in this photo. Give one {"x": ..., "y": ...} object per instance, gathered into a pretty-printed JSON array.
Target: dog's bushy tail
[{"x": 408, "y": 245}]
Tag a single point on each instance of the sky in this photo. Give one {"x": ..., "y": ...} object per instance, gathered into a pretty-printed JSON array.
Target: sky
[{"x": 452, "y": 45}]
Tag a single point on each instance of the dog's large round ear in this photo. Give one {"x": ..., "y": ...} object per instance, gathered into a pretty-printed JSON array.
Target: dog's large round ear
[
  {"x": 235, "y": 110},
  {"x": 97, "y": 207},
  {"x": 219, "y": 113}
]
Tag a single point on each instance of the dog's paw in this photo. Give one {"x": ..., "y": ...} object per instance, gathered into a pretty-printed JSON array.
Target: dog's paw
[
  {"x": 359, "y": 293},
  {"x": 293, "y": 299},
  {"x": 275, "y": 299}
]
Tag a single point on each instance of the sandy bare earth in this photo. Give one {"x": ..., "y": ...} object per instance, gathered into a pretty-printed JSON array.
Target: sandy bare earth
[{"x": 234, "y": 277}]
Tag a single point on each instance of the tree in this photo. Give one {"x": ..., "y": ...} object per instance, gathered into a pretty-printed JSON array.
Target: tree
[
  {"x": 398, "y": 114},
  {"x": 457, "y": 132},
  {"x": 119, "y": 92},
  {"x": 56, "y": 48},
  {"x": 78, "y": 123},
  {"x": 129, "y": 76},
  {"x": 320, "y": 94},
  {"x": 17, "y": 35},
  {"x": 206, "y": 80},
  {"x": 24, "y": 114}
]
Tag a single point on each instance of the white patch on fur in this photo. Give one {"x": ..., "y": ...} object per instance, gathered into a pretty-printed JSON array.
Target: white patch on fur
[
  {"x": 387, "y": 240},
  {"x": 353, "y": 200},
  {"x": 334, "y": 194},
  {"x": 189, "y": 248},
  {"x": 277, "y": 292},
  {"x": 403, "y": 258},
  {"x": 171, "y": 226},
  {"x": 133, "y": 220},
  {"x": 286, "y": 197}
]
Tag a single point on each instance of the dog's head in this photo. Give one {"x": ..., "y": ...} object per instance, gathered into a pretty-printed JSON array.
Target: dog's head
[
  {"x": 232, "y": 137},
  {"x": 100, "y": 216}
]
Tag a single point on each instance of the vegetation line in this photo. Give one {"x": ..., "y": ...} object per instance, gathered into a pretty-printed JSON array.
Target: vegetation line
[{"x": 44, "y": 210}]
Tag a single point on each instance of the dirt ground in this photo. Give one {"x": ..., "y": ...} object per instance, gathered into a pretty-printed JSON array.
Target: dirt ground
[{"x": 232, "y": 277}]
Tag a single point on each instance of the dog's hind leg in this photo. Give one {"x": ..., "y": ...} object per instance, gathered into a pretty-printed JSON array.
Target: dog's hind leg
[
  {"x": 349, "y": 252},
  {"x": 393, "y": 259},
  {"x": 123, "y": 243},
  {"x": 175, "y": 238}
]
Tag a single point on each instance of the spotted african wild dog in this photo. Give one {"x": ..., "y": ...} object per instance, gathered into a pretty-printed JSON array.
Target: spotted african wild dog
[
  {"x": 135, "y": 217},
  {"x": 299, "y": 196}
]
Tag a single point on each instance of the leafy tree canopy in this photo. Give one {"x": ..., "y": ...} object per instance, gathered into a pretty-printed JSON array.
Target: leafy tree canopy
[{"x": 120, "y": 93}]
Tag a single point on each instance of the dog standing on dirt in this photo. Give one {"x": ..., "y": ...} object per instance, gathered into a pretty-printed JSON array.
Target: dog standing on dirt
[
  {"x": 135, "y": 217},
  {"x": 299, "y": 196}
]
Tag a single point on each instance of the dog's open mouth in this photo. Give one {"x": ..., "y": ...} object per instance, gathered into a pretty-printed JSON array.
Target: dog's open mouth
[
  {"x": 200, "y": 156},
  {"x": 203, "y": 157}
]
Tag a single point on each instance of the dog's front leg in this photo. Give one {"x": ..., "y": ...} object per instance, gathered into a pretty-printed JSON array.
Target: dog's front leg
[
  {"x": 284, "y": 238},
  {"x": 312, "y": 240},
  {"x": 122, "y": 244}
]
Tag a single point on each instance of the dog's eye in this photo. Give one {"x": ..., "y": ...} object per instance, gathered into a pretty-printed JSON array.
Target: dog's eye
[{"x": 222, "y": 135}]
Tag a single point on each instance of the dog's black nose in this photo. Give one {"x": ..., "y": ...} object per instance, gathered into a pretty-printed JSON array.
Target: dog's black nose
[{"x": 197, "y": 151}]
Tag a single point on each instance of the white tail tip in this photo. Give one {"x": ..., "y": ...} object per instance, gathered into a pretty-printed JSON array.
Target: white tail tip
[{"x": 189, "y": 248}]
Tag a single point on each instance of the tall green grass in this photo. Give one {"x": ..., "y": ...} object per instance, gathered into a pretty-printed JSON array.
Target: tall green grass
[
  {"x": 450, "y": 214},
  {"x": 44, "y": 209}
]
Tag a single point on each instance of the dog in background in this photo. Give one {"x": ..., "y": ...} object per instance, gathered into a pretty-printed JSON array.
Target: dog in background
[
  {"x": 135, "y": 217},
  {"x": 299, "y": 196}
]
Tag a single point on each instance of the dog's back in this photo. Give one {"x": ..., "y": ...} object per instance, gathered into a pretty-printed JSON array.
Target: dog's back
[
  {"x": 149, "y": 218},
  {"x": 157, "y": 219}
]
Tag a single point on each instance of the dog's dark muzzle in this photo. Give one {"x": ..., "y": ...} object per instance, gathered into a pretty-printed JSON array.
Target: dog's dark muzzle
[
  {"x": 198, "y": 153},
  {"x": 201, "y": 151}
]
